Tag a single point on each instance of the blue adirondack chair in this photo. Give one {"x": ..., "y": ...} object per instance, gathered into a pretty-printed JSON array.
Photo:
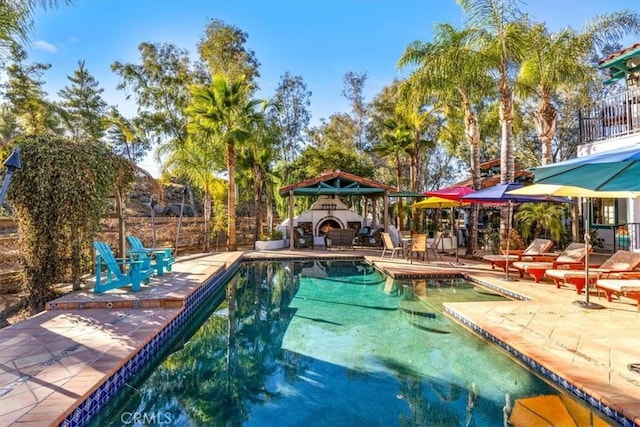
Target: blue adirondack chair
[
  {"x": 158, "y": 258},
  {"x": 119, "y": 271}
]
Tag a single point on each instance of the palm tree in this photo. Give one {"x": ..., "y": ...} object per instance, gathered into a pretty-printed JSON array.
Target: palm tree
[
  {"x": 223, "y": 111},
  {"x": 256, "y": 160},
  {"x": 541, "y": 216},
  {"x": 499, "y": 35},
  {"x": 460, "y": 91},
  {"x": 395, "y": 141},
  {"x": 197, "y": 160},
  {"x": 17, "y": 19},
  {"x": 552, "y": 61},
  {"x": 555, "y": 61},
  {"x": 421, "y": 123}
]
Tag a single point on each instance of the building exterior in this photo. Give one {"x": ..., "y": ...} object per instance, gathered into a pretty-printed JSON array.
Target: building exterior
[{"x": 610, "y": 124}]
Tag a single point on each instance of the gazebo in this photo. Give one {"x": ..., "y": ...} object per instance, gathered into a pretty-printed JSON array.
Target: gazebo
[{"x": 332, "y": 184}]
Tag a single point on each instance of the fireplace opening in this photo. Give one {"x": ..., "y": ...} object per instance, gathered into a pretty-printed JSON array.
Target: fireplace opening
[{"x": 326, "y": 225}]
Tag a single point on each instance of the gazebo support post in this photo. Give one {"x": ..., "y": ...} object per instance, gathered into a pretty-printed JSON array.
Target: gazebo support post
[
  {"x": 291, "y": 237},
  {"x": 385, "y": 212}
]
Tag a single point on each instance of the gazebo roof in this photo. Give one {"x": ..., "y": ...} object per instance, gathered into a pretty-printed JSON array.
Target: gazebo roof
[{"x": 336, "y": 182}]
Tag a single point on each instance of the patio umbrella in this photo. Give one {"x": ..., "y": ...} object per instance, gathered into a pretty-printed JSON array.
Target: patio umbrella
[
  {"x": 609, "y": 171},
  {"x": 570, "y": 191},
  {"x": 575, "y": 191},
  {"x": 501, "y": 194},
  {"x": 436, "y": 203},
  {"x": 453, "y": 193},
  {"x": 439, "y": 203}
]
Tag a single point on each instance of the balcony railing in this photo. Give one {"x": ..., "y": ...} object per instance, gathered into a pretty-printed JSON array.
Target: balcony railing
[
  {"x": 612, "y": 117},
  {"x": 627, "y": 237}
]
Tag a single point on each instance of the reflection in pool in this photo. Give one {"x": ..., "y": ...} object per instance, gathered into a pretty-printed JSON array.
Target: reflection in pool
[{"x": 330, "y": 343}]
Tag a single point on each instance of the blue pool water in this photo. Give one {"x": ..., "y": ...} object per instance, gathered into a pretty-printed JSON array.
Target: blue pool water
[{"x": 327, "y": 343}]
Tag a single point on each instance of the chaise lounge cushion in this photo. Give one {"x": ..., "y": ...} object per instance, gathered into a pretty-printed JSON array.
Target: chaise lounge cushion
[
  {"x": 627, "y": 287},
  {"x": 572, "y": 257},
  {"x": 621, "y": 261},
  {"x": 538, "y": 247}
]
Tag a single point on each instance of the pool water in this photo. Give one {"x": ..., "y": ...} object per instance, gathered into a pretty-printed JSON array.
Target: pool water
[{"x": 328, "y": 343}]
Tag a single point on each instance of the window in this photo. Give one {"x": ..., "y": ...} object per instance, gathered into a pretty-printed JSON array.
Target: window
[{"x": 603, "y": 211}]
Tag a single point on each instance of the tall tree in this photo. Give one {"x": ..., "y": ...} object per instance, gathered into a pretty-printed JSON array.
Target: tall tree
[
  {"x": 82, "y": 108},
  {"x": 160, "y": 87},
  {"x": 354, "y": 92},
  {"x": 256, "y": 162},
  {"x": 292, "y": 115},
  {"x": 198, "y": 160},
  {"x": 223, "y": 49},
  {"x": 423, "y": 125},
  {"x": 222, "y": 110},
  {"x": 500, "y": 37},
  {"x": 26, "y": 96},
  {"x": 557, "y": 61},
  {"x": 396, "y": 139},
  {"x": 452, "y": 93},
  {"x": 126, "y": 137}
]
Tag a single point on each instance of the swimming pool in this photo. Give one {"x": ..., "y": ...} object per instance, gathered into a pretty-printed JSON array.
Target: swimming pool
[{"x": 327, "y": 343}]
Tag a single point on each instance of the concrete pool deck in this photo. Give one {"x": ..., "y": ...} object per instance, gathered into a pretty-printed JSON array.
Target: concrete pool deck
[{"x": 51, "y": 363}]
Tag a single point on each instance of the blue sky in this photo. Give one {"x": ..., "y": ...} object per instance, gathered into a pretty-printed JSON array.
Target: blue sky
[{"x": 320, "y": 40}]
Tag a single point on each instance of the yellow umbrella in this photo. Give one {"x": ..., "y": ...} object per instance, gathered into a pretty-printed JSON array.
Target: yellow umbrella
[
  {"x": 438, "y": 202},
  {"x": 570, "y": 191}
]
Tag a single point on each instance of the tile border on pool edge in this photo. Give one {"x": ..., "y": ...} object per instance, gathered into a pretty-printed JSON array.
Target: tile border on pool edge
[
  {"x": 89, "y": 408},
  {"x": 545, "y": 372}
]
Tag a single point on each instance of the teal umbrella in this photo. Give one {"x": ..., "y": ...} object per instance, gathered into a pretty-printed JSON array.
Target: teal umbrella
[{"x": 609, "y": 171}]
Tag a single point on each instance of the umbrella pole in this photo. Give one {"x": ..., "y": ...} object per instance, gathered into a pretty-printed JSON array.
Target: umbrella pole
[
  {"x": 506, "y": 264},
  {"x": 587, "y": 239},
  {"x": 456, "y": 236}
]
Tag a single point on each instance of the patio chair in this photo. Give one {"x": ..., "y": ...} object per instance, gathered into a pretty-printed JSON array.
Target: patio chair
[
  {"x": 387, "y": 244},
  {"x": 627, "y": 284},
  {"x": 537, "y": 248},
  {"x": 433, "y": 246},
  {"x": 302, "y": 240},
  {"x": 418, "y": 245},
  {"x": 119, "y": 272},
  {"x": 160, "y": 259},
  {"x": 621, "y": 261},
  {"x": 571, "y": 257}
]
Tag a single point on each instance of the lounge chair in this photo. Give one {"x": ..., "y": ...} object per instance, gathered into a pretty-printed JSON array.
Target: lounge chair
[
  {"x": 159, "y": 259},
  {"x": 119, "y": 272},
  {"x": 387, "y": 244},
  {"x": 538, "y": 248},
  {"x": 572, "y": 257},
  {"x": 627, "y": 284},
  {"x": 621, "y": 261}
]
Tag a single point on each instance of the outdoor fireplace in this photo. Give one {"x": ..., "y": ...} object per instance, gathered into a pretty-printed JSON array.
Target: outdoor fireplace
[
  {"x": 326, "y": 224},
  {"x": 325, "y": 214}
]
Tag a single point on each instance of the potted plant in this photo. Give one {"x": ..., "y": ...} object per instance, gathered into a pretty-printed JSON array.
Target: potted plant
[{"x": 272, "y": 240}]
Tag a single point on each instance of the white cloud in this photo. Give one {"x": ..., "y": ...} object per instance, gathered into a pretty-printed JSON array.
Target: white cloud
[{"x": 46, "y": 46}]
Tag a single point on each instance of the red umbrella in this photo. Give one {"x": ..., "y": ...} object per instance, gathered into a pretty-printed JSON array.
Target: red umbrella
[{"x": 452, "y": 193}]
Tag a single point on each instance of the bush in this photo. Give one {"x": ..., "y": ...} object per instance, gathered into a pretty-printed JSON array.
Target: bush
[{"x": 273, "y": 235}]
